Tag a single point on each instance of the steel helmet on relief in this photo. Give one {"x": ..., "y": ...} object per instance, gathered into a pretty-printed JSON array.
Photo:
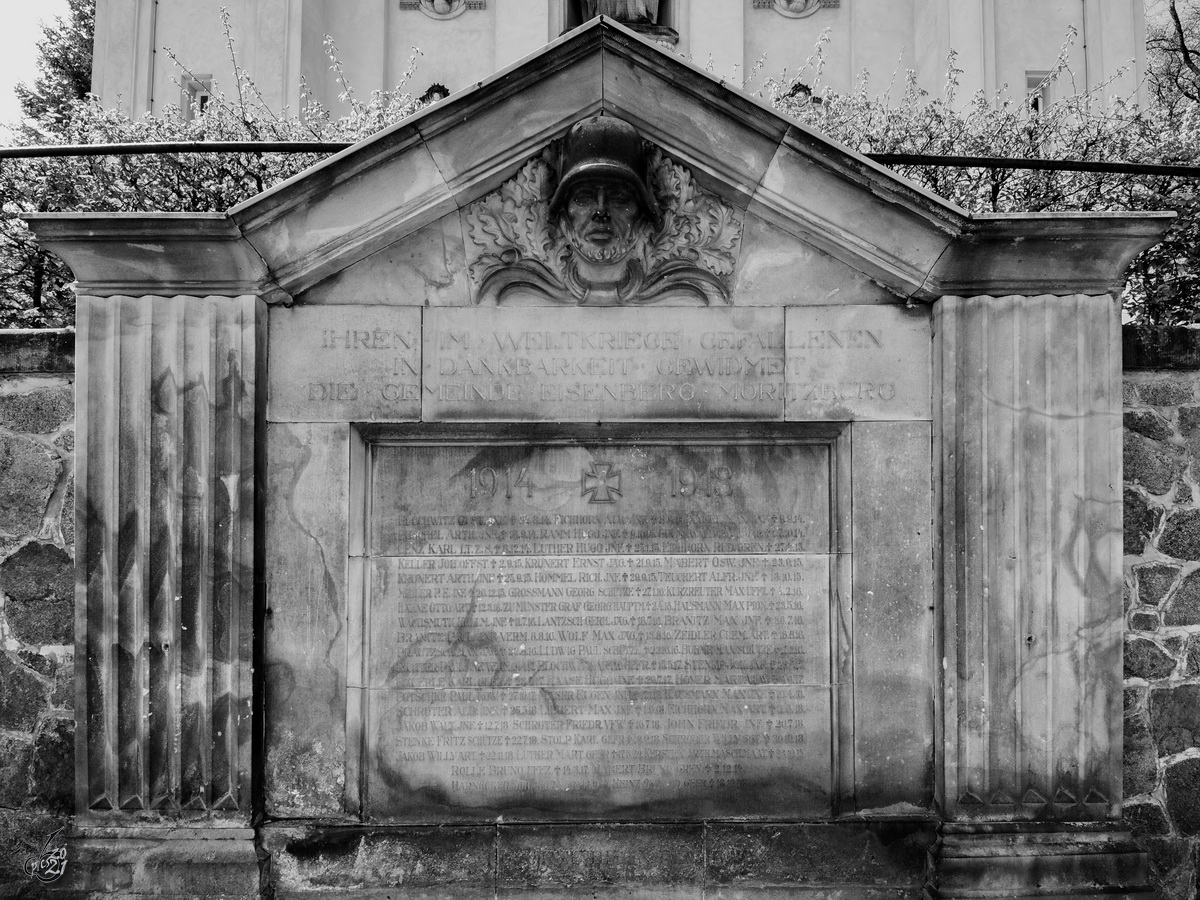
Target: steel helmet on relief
[{"x": 600, "y": 148}]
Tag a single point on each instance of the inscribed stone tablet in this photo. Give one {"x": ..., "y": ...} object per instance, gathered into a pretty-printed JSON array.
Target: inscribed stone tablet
[
  {"x": 629, "y": 628},
  {"x": 615, "y": 364},
  {"x": 344, "y": 364},
  {"x": 858, "y": 362},
  {"x": 599, "y": 620}
]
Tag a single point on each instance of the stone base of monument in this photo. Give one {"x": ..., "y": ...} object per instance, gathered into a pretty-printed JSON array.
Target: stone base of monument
[
  {"x": 213, "y": 863},
  {"x": 1026, "y": 861},
  {"x": 853, "y": 861}
]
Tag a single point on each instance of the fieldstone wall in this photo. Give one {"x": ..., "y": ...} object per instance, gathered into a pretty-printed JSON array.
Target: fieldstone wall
[
  {"x": 1162, "y": 601},
  {"x": 37, "y": 597}
]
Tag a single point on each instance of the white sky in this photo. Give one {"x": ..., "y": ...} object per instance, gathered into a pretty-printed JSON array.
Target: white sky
[{"x": 21, "y": 33}]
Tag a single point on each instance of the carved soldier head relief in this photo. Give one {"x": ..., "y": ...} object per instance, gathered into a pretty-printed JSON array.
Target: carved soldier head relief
[
  {"x": 602, "y": 219},
  {"x": 603, "y": 202}
]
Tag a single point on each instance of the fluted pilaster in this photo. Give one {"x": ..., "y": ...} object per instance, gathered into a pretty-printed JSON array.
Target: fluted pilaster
[
  {"x": 1031, "y": 556},
  {"x": 168, "y": 410}
]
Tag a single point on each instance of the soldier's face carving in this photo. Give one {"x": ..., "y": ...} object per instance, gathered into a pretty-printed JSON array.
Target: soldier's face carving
[{"x": 600, "y": 220}]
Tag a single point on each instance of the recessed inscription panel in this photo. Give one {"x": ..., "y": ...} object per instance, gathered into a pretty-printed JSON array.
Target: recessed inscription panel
[
  {"x": 859, "y": 363},
  {"x": 613, "y": 364},
  {"x": 630, "y": 629},
  {"x": 606, "y": 752},
  {"x": 344, "y": 364},
  {"x": 588, "y": 498}
]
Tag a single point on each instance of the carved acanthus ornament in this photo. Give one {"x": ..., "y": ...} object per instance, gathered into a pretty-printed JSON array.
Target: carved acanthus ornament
[{"x": 534, "y": 236}]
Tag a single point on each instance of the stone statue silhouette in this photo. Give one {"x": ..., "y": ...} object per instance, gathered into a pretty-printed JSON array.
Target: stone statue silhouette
[{"x": 633, "y": 11}]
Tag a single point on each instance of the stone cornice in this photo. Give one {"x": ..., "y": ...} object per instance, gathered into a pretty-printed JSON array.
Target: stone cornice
[{"x": 155, "y": 253}]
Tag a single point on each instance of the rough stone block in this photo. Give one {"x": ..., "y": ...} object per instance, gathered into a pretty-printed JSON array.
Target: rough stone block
[
  {"x": 1014, "y": 862},
  {"x": 67, "y": 517},
  {"x": 23, "y": 834},
  {"x": 1166, "y": 392},
  {"x": 1170, "y": 857},
  {"x": 41, "y": 350},
  {"x": 1142, "y": 620},
  {"x": 1146, "y": 659},
  {"x": 216, "y": 864},
  {"x": 1133, "y": 699},
  {"x": 28, "y": 473},
  {"x": 41, "y": 411},
  {"x": 582, "y": 858},
  {"x": 1181, "y": 535},
  {"x": 1182, "y": 782},
  {"x": 43, "y": 664},
  {"x": 1148, "y": 423},
  {"x": 15, "y": 753},
  {"x": 459, "y": 860},
  {"x": 1154, "y": 581},
  {"x": 1192, "y": 664},
  {"x": 891, "y": 855},
  {"x": 1175, "y": 718},
  {"x": 1140, "y": 762},
  {"x": 1140, "y": 521},
  {"x": 63, "y": 694},
  {"x": 22, "y": 697},
  {"x": 39, "y": 580},
  {"x": 52, "y": 769},
  {"x": 1152, "y": 465},
  {"x": 1146, "y": 818},
  {"x": 1184, "y": 606},
  {"x": 1189, "y": 419}
]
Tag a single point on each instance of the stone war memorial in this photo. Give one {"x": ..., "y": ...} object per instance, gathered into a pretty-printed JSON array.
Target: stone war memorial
[{"x": 599, "y": 486}]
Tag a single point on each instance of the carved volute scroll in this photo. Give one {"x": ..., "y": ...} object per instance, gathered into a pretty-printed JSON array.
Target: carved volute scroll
[{"x": 602, "y": 219}]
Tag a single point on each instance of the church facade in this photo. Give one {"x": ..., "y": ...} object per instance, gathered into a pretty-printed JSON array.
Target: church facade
[{"x": 151, "y": 54}]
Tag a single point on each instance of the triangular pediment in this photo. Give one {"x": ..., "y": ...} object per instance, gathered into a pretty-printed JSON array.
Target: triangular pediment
[
  {"x": 839, "y": 222},
  {"x": 738, "y": 149}
]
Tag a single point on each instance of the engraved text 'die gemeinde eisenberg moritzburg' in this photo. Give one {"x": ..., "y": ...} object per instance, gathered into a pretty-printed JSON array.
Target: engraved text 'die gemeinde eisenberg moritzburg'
[{"x": 602, "y": 219}]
